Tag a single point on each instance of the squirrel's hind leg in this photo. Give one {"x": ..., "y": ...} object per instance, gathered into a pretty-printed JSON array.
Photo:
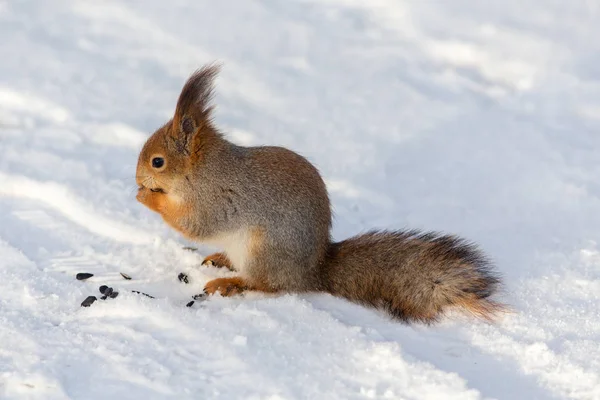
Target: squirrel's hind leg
[{"x": 232, "y": 286}]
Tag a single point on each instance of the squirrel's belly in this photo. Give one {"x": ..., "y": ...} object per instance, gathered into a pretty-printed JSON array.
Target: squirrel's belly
[{"x": 240, "y": 246}]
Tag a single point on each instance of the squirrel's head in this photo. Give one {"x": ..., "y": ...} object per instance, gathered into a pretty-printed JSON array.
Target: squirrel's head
[{"x": 172, "y": 153}]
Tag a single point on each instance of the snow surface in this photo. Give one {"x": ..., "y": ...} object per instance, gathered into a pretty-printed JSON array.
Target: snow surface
[{"x": 478, "y": 118}]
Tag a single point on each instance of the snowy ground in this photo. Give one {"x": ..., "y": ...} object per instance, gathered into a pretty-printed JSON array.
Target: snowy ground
[{"x": 478, "y": 118}]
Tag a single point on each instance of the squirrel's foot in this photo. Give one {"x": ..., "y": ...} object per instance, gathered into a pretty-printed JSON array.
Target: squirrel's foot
[
  {"x": 226, "y": 286},
  {"x": 218, "y": 260}
]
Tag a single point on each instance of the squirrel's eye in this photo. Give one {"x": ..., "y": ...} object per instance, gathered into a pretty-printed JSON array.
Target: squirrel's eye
[{"x": 158, "y": 162}]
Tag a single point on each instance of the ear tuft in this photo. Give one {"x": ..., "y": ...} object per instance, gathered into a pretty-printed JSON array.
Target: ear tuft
[
  {"x": 196, "y": 95},
  {"x": 193, "y": 113}
]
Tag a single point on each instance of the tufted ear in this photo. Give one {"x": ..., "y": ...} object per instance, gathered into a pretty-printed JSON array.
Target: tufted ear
[{"x": 193, "y": 112}]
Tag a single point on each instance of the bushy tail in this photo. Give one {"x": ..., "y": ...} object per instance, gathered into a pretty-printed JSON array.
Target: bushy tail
[{"x": 413, "y": 276}]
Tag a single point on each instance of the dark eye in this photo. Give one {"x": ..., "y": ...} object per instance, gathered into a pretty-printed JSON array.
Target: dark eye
[{"x": 158, "y": 162}]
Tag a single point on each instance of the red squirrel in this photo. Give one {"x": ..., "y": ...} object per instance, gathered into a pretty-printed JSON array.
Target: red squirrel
[{"x": 268, "y": 209}]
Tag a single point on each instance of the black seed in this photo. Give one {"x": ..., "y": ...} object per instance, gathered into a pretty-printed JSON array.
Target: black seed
[
  {"x": 201, "y": 296},
  {"x": 83, "y": 276},
  {"x": 103, "y": 289},
  {"x": 188, "y": 248},
  {"x": 145, "y": 294},
  {"x": 113, "y": 295},
  {"x": 183, "y": 278},
  {"x": 125, "y": 276},
  {"x": 108, "y": 291},
  {"x": 191, "y": 303},
  {"x": 88, "y": 301},
  {"x": 103, "y": 297}
]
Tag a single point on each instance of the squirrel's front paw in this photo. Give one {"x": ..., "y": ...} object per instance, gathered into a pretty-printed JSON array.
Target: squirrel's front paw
[
  {"x": 154, "y": 200},
  {"x": 226, "y": 286},
  {"x": 218, "y": 260}
]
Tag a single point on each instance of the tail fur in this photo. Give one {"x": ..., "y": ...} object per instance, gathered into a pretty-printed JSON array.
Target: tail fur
[{"x": 414, "y": 276}]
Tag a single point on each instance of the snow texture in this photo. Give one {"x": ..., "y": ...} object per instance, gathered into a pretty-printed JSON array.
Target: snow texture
[{"x": 476, "y": 118}]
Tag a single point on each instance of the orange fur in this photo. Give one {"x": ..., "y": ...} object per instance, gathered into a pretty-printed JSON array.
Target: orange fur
[
  {"x": 484, "y": 309},
  {"x": 218, "y": 260},
  {"x": 226, "y": 286},
  {"x": 257, "y": 237},
  {"x": 233, "y": 286},
  {"x": 169, "y": 208}
]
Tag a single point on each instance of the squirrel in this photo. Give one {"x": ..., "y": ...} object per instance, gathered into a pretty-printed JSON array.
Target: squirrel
[{"x": 268, "y": 209}]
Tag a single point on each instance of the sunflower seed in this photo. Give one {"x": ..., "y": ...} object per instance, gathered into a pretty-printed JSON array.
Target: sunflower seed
[
  {"x": 183, "y": 278},
  {"x": 88, "y": 301}
]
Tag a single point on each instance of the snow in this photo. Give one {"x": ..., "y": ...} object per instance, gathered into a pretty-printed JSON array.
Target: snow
[{"x": 477, "y": 118}]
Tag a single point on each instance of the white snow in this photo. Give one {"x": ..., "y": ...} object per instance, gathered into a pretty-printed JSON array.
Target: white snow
[{"x": 477, "y": 118}]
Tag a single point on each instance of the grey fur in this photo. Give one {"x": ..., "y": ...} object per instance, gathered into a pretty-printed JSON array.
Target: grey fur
[{"x": 219, "y": 188}]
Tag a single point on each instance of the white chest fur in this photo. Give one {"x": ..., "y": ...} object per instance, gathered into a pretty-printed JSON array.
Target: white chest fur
[{"x": 236, "y": 245}]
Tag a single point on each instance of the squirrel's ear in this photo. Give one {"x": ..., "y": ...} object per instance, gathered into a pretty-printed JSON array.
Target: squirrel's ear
[{"x": 194, "y": 106}]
